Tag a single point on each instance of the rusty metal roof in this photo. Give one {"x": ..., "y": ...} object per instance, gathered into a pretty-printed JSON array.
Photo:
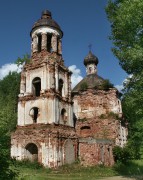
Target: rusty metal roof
[{"x": 46, "y": 20}]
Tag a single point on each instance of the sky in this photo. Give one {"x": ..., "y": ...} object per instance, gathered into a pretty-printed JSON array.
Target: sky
[{"x": 83, "y": 22}]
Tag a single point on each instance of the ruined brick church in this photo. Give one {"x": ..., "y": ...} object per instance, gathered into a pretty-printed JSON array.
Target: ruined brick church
[{"x": 57, "y": 125}]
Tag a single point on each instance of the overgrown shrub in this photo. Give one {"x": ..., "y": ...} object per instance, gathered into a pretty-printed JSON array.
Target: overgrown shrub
[
  {"x": 106, "y": 85},
  {"x": 6, "y": 173},
  {"x": 83, "y": 86},
  {"x": 28, "y": 164},
  {"x": 122, "y": 155}
]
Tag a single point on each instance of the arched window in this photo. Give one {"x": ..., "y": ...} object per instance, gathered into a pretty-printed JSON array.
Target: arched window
[
  {"x": 63, "y": 116},
  {"x": 85, "y": 131},
  {"x": 36, "y": 86},
  {"x": 34, "y": 114},
  {"x": 49, "y": 37},
  {"x": 31, "y": 152},
  {"x": 60, "y": 86},
  {"x": 39, "y": 42}
]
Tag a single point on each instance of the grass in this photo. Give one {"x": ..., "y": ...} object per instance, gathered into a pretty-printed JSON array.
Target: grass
[{"x": 31, "y": 171}]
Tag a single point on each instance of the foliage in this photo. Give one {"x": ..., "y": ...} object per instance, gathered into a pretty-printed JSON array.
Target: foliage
[
  {"x": 83, "y": 86},
  {"x": 127, "y": 33},
  {"x": 126, "y": 21},
  {"x": 9, "y": 89},
  {"x": 109, "y": 115},
  {"x": 122, "y": 155},
  {"x": 131, "y": 168},
  {"x": 106, "y": 85},
  {"x": 5, "y": 172},
  {"x": 24, "y": 60},
  {"x": 28, "y": 164}
]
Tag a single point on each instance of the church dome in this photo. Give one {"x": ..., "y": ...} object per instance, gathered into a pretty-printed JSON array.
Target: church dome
[
  {"x": 90, "y": 59},
  {"x": 91, "y": 81},
  {"x": 46, "y": 20}
]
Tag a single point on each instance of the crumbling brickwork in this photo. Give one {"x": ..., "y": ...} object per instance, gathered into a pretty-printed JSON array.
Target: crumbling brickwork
[
  {"x": 50, "y": 141},
  {"x": 98, "y": 125},
  {"x": 56, "y": 125}
]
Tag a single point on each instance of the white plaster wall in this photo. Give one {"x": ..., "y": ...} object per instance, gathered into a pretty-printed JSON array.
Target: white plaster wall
[
  {"x": 17, "y": 152},
  {"x": 71, "y": 116},
  {"x": 45, "y": 110},
  {"x": 45, "y": 154},
  {"x": 45, "y": 30},
  {"x": 91, "y": 69},
  {"x": 31, "y": 75},
  {"x": 21, "y": 113}
]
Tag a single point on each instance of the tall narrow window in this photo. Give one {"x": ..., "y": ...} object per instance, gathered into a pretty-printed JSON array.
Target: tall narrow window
[
  {"x": 49, "y": 37},
  {"x": 60, "y": 86},
  {"x": 39, "y": 42},
  {"x": 36, "y": 86},
  {"x": 63, "y": 116}
]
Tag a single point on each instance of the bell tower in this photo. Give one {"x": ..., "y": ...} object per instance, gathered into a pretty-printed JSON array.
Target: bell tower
[
  {"x": 45, "y": 92},
  {"x": 45, "y": 129}
]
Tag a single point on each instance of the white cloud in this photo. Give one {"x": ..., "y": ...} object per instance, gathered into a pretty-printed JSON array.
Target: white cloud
[
  {"x": 125, "y": 81},
  {"x": 5, "y": 69},
  {"x": 119, "y": 87},
  {"x": 76, "y": 76}
]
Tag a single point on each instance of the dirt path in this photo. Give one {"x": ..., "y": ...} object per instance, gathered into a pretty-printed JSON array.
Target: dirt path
[{"x": 122, "y": 178}]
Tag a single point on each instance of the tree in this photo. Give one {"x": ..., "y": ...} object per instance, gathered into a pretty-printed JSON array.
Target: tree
[
  {"x": 126, "y": 21},
  {"x": 9, "y": 89}
]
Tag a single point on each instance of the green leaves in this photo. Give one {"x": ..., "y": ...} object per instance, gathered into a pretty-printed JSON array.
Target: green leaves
[
  {"x": 9, "y": 90},
  {"x": 24, "y": 60},
  {"x": 126, "y": 18},
  {"x": 127, "y": 32}
]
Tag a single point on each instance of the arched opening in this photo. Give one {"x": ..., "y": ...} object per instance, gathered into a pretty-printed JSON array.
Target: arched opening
[
  {"x": 39, "y": 42},
  {"x": 85, "y": 131},
  {"x": 49, "y": 37},
  {"x": 36, "y": 86},
  {"x": 63, "y": 116},
  {"x": 60, "y": 86},
  {"x": 69, "y": 152},
  {"x": 34, "y": 114},
  {"x": 90, "y": 69},
  {"x": 31, "y": 152}
]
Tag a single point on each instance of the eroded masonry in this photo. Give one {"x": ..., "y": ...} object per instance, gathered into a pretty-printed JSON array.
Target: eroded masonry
[{"x": 55, "y": 125}]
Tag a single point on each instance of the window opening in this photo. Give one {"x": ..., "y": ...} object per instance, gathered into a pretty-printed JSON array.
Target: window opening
[
  {"x": 85, "y": 127},
  {"x": 60, "y": 86},
  {"x": 31, "y": 152},
  {"x": 34, "y": 114},
  {"x": 90, "y": 69},
  {"x": 36, "y": 86},
  {"x": 64, "y": 115},
  {"x": 49, "y": 37},
  {"x": 39, "y": 42}
]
